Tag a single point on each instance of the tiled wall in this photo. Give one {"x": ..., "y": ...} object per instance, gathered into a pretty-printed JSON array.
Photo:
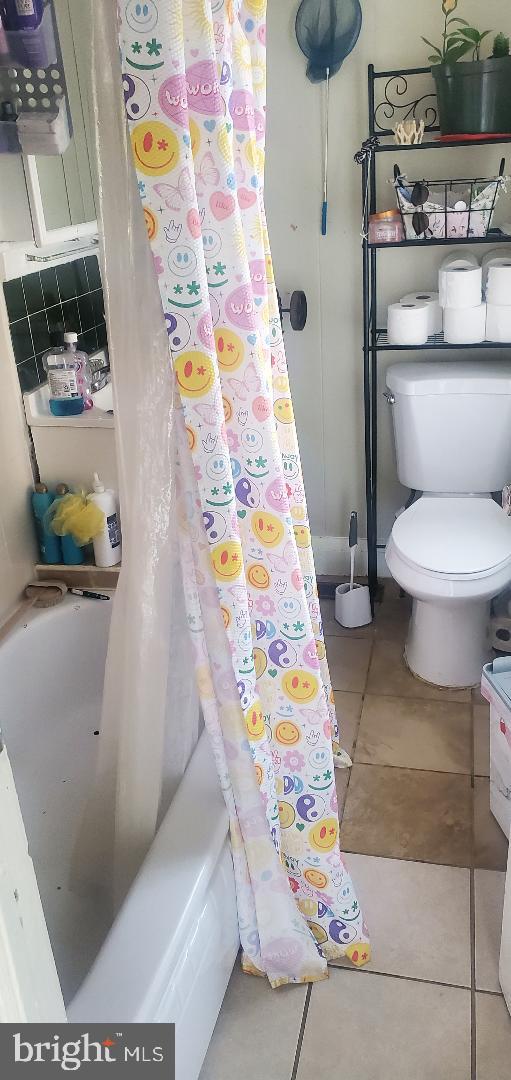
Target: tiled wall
[{"x": 43, "y": 305}]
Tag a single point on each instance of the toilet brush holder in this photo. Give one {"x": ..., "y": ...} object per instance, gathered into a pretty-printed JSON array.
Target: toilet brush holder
[{"x": 353, "y": 606}]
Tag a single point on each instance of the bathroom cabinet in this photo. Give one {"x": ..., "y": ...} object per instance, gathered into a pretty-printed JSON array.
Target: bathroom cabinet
[
  {"x": 393, "y": 96},
  {"x": 49, "y": 200}
]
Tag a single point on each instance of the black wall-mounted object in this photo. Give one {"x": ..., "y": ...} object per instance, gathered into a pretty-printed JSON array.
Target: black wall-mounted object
[{"x": 297, "y": 309}]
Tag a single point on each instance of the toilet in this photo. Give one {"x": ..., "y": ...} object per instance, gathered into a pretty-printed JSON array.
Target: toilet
[{"x": 450, "y": 550}]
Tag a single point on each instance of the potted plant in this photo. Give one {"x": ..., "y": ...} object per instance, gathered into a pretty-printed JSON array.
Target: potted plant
[{"x": 474, "y": 97}]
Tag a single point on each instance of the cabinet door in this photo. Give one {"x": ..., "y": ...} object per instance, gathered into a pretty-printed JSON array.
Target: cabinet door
[{"x": 29, "y": 985}]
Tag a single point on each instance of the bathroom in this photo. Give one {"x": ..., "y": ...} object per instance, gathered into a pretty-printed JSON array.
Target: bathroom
[{"x": 118, "y": 786}]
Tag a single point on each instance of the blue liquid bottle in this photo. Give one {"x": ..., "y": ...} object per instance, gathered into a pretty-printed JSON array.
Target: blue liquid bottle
[
  {"x": 63, "y": 365},
  {"x": 72, "y": 554},
  {"x": 49, "y": 544}
]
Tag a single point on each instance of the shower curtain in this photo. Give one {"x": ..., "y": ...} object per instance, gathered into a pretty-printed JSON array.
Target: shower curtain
[{"x": 194, "y": 75}]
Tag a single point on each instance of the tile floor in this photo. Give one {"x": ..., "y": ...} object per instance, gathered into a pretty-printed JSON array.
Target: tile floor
[{"x": 429, "y": 863}]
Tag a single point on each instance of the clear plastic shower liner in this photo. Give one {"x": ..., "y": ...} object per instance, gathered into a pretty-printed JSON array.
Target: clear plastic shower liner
[{"x": 150, "y": 716}]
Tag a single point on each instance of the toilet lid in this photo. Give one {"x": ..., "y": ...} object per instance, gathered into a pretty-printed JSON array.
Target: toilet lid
[{"x": 454, "y": 536}]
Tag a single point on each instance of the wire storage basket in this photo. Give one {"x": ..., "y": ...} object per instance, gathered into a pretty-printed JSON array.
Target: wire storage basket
[{"x": 448, "y": 209}]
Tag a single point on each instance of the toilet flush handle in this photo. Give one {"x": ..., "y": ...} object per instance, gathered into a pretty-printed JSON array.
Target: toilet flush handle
[{"x": 389, "y": 397}]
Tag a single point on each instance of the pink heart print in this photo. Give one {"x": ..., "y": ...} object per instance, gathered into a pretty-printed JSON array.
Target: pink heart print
[{"x": 222, "y": 205}]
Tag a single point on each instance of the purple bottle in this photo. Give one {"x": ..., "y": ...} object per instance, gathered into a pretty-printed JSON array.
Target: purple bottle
[{"x": 21, "y": 14}]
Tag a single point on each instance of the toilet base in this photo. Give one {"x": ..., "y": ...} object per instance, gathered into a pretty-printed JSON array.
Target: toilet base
[{"x": 447, "y": 644}]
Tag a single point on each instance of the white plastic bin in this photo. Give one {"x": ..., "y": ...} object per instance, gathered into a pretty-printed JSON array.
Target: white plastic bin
[{"x": 495, "y": 687}]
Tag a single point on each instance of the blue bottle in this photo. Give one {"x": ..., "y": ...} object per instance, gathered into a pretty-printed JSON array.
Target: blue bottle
[
  {"x": 21, "y": 14},
  {"x": 49, "y": 544},
  {"x": 72, "y": 554}
]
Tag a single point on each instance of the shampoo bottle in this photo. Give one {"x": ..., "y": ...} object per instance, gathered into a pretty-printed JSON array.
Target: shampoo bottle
[
  {"x": 49, "y": 544},
  {"x": 72, "y": 554},
  {"x": 21, "y": 14},
  {"x": 107, "y": 546}
]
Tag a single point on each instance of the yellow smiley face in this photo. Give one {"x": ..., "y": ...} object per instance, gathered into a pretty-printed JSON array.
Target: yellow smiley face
[
  {"x": 230, "y": 349},
  {"x": 269, "y": 269},
  {"x": 194, "y": 137},
  {"x": 320, "y": 649},
  {"x": 297, "y": 513},
  {"x": 260, "y": 662},
  {"x": 287, "y": 733},
  {"x": 286, "y": 815},
  {"x": 155, "y": 147},
  {"x": 195, "y": 374},
  {"x": 151, "y": 223},
  {"x": 359, "y": 953},
  {"x": 316, "y": 878},
  {"x": 267, "y": 528},
  {"x": 258, "y": 576},
  {"x": 323, "y": 835},
  {"x": 226, "y": 616},
  {"x": 227, "y": 409},
  {"x": 227, "y": 560},
  {"x": 281, "y": 384},
  {"x": 300, "y": 686},
  {"x": 283, "y": 410},
  {"x": 192, "y": 438},
  {"x": 254, "y": 720},
  {"x": 259, "y": 774},
  {"x": 302, "y": 536}
]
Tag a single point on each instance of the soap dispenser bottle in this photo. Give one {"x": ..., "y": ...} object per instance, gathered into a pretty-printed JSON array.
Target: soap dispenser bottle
[
  {"x": 49, "y": 544},
  {"x": 107, "y": 546},
  {"x": 63, "y": 365}
]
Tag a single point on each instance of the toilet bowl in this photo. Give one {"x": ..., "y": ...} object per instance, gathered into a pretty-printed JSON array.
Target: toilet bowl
[{"x": 452, "y": 555}]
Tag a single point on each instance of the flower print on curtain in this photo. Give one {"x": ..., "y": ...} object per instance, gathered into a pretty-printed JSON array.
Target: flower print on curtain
[{"x": 194, "y": 74}]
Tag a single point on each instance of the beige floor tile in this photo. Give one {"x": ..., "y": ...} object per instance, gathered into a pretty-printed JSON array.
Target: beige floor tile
[
  {"x": 388, "y": 674},
  {"x": 391, "y": 620},
  {"x": 342, "y": 779},
  {"x": 348, "y": 708},
  {"x": 408, "y": 814},
  {"x": 493, "y": 1027},
  {"x": 489, "y": 900},
  {"x": 332, "y": 628},
  {"x": 418, "y": 917},
  {"x": 490, "y": 844},
  {"x": 257, "y": 1031},
  {"x": 481, "y": 739},
  {"x": 477, "y": 697},
  {"x": 372, "y": 1027},
  {"x": 428, "y": 735},
  {"x": 348, "y": 659}
]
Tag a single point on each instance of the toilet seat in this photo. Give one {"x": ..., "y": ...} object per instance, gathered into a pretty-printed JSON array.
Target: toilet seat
[{"x": 460, "y": 538}]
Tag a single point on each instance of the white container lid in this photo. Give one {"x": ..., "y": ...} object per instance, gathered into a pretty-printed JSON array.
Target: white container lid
[
  {"x": 454, "y": 536},
  {"x": 429, "y": 378}
]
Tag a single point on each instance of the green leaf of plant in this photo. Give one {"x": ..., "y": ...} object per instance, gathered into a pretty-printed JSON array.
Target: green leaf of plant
[
  {"x": 462, "y": 21},
  {"x": 430, "y": 43},
  {"x": 470, "y": 34},
  {"x": 454, "y": 54},
  {"x": 435, "y": 59}
]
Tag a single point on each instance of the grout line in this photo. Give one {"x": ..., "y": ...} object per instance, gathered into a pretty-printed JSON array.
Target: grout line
[
  {"x": 400, "y": 978},
  {"x": 411, "y": 768},
  {"x": 473, "y": 1044},
  {"x": 301, "y": 1032}
]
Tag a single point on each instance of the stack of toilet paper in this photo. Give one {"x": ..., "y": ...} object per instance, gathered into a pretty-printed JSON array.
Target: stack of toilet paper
[
  {"x": 497, "y": 287},
  {"x": 460, "y": 291},
  {"x": 414, "y": 319}
]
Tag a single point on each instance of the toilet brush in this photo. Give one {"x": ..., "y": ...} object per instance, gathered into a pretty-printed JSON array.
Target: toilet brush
[{"x": 353, "y": 602}]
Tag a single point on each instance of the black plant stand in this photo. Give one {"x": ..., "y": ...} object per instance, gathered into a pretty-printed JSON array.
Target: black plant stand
[{"x": 392, "y": 99}]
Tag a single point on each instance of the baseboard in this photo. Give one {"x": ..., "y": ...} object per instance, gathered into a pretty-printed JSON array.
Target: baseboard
[{"x": 332, "y": 557}]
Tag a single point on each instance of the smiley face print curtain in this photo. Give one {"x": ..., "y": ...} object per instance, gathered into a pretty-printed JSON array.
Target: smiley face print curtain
[{"x": 193, "y": 75}]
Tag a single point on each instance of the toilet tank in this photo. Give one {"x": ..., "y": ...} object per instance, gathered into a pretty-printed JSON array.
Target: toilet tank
[{"x": 452, "y": 424}]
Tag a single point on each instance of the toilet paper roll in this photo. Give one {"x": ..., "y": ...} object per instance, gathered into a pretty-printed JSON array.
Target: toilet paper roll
[
  {"x": 408, "y": 324},
  {"x": 495, "y": 258},
  {"x": 459, "y": 260},
  {"x": 498, "y": 323},
  {"x": 430, "y": 299},
  {"x": 461, "y": 287},
  {"x": 465, "y": 326},
  {"x": 498, "y": 289}
]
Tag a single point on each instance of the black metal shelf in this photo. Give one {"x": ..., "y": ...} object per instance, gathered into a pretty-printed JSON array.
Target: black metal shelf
[
  {"x": 398, "y": 100},
  {"x": 493, "y": 237},
  {"x": 442, "y": 144},
  {"x": 382, "y": 344}
]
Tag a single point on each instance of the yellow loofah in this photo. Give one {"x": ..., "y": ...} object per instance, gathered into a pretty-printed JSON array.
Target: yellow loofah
[{"x": 74, "y": 516}]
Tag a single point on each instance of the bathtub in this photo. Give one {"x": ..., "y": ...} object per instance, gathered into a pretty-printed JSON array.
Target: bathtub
[{"x": 169, "y": 954}]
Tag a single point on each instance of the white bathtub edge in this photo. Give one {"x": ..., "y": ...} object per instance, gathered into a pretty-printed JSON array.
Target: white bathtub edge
[{"x": 186, "y": 881}]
